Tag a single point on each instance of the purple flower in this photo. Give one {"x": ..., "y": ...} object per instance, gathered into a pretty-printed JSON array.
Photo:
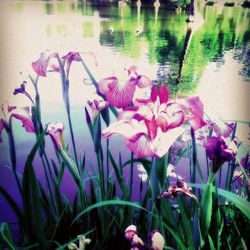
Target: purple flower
[
  {"x": 221, "y": 128},
  {"x": 21, "y": 90},
  {"x": 55, "y": 130},
  {"x": 120, "y": 92},
  {"x": 219, "y": 151},
  {"x": 41, "y": 65}
]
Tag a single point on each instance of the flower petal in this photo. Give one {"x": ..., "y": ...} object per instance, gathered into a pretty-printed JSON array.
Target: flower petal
[
  {"x": 105, "y": 84},
  {"x": 40, "y": 66},
  {"x": 176, "y": 120},
  {"x": 70, "y": 57},
  {"x": 196, "y": 108},
  {"x": 1, "y": 128},
  {"x": 163, "y": 141},
  {"x": 212, "y": 146},
  {"x": 55, "y": 130},
  {"x": 157, "y": 241},
  {"x": 128, "y": 129},
  {"x": 141, "y": 146},
  {"x": 224, "y": 129},
  {"x": 26, "y": 122},
  {"x": 143, "y": 81},
  {"x": 154, "y": 93},
  {"x": 118, "y": 95},
  {"x": 163, "y": 94}
]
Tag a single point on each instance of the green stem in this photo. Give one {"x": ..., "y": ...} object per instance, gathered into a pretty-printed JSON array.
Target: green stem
[
  {"x": 48, "y": 183},
  {"x": 101, "y": 175},
  {"x": 72, "y": 134},
  {"x": 74, "y": 172},
  {"x": 107, "y": 160},
  {"x": 131, "y": 174},
  {"x": 12, "y": 154},
  {"x": 211, "y": 177}
]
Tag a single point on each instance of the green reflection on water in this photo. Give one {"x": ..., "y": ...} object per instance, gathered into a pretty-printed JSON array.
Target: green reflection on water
[{"x": 180, "y": 53}]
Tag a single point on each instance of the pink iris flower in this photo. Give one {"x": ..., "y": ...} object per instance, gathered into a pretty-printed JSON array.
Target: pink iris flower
[
  {"x": 156, "y": 240},
  {"x": 21, "y": 114},
  {"x": 41, "y": 65},
  {"x": 131, "y": 235},
  {"x": 151, "y": 127},
  {"x": 118, "y": 92},
  {"x": 97, "y": 105},
  {"x": 44, "y": 64},
  {"x": 194, "y": 111},
  {"x": 55, "y": 130},
  {"x": 69, "y": 58},
  {"x": 219, "y": 151}
]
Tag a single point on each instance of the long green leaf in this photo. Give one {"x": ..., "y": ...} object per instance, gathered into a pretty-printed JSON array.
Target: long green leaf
[
  {"x": 119, "y": 177},
  {"x": 13, "y": 204},
  {"x": 211, "y": 243},
  {"x": 239, "y": 202},
  {"x": 186, "y": 226},
  {"x": 109, "y": 203},
  {"x": 206, "y": 210},
  {"x": 5, "y": 232},
  {"x": 31, "y": 198}
]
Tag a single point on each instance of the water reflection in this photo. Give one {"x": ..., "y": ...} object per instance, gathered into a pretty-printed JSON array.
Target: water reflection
[
  {"x": 182, "y": 49},
  {"x": 178, "y": 52}
]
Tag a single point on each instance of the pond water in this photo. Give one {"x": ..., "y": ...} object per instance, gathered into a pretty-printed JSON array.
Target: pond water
[{"x": 209, "y": 58}]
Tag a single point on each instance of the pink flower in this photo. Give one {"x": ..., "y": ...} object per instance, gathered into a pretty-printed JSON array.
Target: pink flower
[
  {"x": 44, "y": 64},
  {"x": 69, "y": 58},
  {"x": 41, "y": 65},
  {"x": 97, "y": 105},
  {"x": 21, "y": 114},
  {"x": 55, "y": 130},
  {"x": 194, "y": 111},
  {"x": 21, "y": 90},
  {"x": 118, "y": 92},
  {"x": 151, "y": 127},
  {"x": 180, "y": 188},
  {"x": 131, "y": 235},
  {"x": 157, "y": 241}
]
